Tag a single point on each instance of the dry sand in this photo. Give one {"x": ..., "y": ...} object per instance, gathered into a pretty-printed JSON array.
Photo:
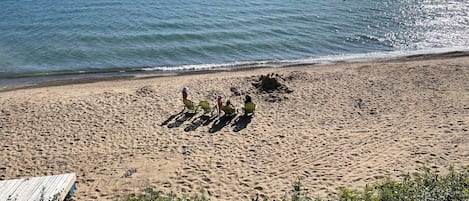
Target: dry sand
[{"x": 344, "y": 125}]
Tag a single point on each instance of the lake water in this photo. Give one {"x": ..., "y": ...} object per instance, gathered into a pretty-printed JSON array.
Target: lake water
[{"x": 43, "y": 37}]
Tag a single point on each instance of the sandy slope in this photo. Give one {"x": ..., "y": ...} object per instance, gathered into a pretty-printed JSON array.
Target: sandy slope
[{"x": 343, "y": 125}]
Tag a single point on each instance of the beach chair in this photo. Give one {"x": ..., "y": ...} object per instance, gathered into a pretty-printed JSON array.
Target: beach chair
[
  {"x": 191, "y": 106},
  {"x": 229, "y": 111},
  {"x": 206, "y": 107},
  {"x": 249, "y": 108}
]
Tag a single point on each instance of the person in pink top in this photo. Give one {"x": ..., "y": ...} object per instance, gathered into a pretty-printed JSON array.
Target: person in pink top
[{"x": 185, "y": 93}]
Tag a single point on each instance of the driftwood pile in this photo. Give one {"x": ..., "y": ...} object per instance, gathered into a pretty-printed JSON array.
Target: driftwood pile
[{"x": 274, "y": 86}]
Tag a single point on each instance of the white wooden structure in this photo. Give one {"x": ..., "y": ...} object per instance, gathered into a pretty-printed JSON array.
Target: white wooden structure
[{"x": 35, "y": 188}]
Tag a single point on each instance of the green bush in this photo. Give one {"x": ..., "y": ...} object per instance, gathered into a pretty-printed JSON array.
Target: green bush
[{"x": 427, "y": 186}]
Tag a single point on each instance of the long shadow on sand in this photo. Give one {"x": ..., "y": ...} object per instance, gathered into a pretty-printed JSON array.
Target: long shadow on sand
[
  {"x": 202, "y": 120},
  {"x": 220, "y": 123},
  {"x": 170, "y": 118},
  {"x": 241, "y": 122},
  {"x": 180, "y": 118}
]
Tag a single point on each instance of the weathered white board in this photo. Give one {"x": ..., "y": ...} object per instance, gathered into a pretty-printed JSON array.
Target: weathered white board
[{"x": 35, "y": 188}]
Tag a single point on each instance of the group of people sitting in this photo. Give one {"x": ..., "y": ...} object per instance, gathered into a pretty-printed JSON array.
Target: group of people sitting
[{"x": 228, "y": 108}]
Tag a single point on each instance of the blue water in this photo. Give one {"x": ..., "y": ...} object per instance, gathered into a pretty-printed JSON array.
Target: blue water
[{"x": 46, "y": 36}]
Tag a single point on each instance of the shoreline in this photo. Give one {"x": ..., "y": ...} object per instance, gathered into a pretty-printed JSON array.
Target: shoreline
[
  {"x": 344, "y": 125},
  {"x": 10, "y": 84}
]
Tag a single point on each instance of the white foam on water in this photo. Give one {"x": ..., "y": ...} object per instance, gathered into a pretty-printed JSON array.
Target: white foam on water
[{"x": 363, "y": 57}]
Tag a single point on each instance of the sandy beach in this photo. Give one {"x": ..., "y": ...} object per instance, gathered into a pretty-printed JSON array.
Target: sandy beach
[{"x": 343, "y": 125}]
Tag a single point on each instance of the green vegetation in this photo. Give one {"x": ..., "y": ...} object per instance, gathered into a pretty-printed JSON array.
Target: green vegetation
[
  {"x": 425, "y": 186},
  {"x": 151, "y": 195}
]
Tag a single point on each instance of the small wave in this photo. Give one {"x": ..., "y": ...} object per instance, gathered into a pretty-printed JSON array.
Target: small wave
[
  {"x": 375, "y": 56},
  {"x": 364, "y": 57},
  {"x": 221, "y": 66}
]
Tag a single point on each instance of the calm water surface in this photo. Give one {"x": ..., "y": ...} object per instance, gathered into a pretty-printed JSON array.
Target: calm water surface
[{"x": 47, "y": 37}]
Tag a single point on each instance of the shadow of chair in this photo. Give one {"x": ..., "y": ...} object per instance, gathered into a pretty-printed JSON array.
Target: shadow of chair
[
  {"x": 180, "y": 120},
  {"x": 221, "y": 122},
  {"x": 241, "y": 122},
  {"x": 170, "y": 118},
  {"x": 202, "y": 120}
]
